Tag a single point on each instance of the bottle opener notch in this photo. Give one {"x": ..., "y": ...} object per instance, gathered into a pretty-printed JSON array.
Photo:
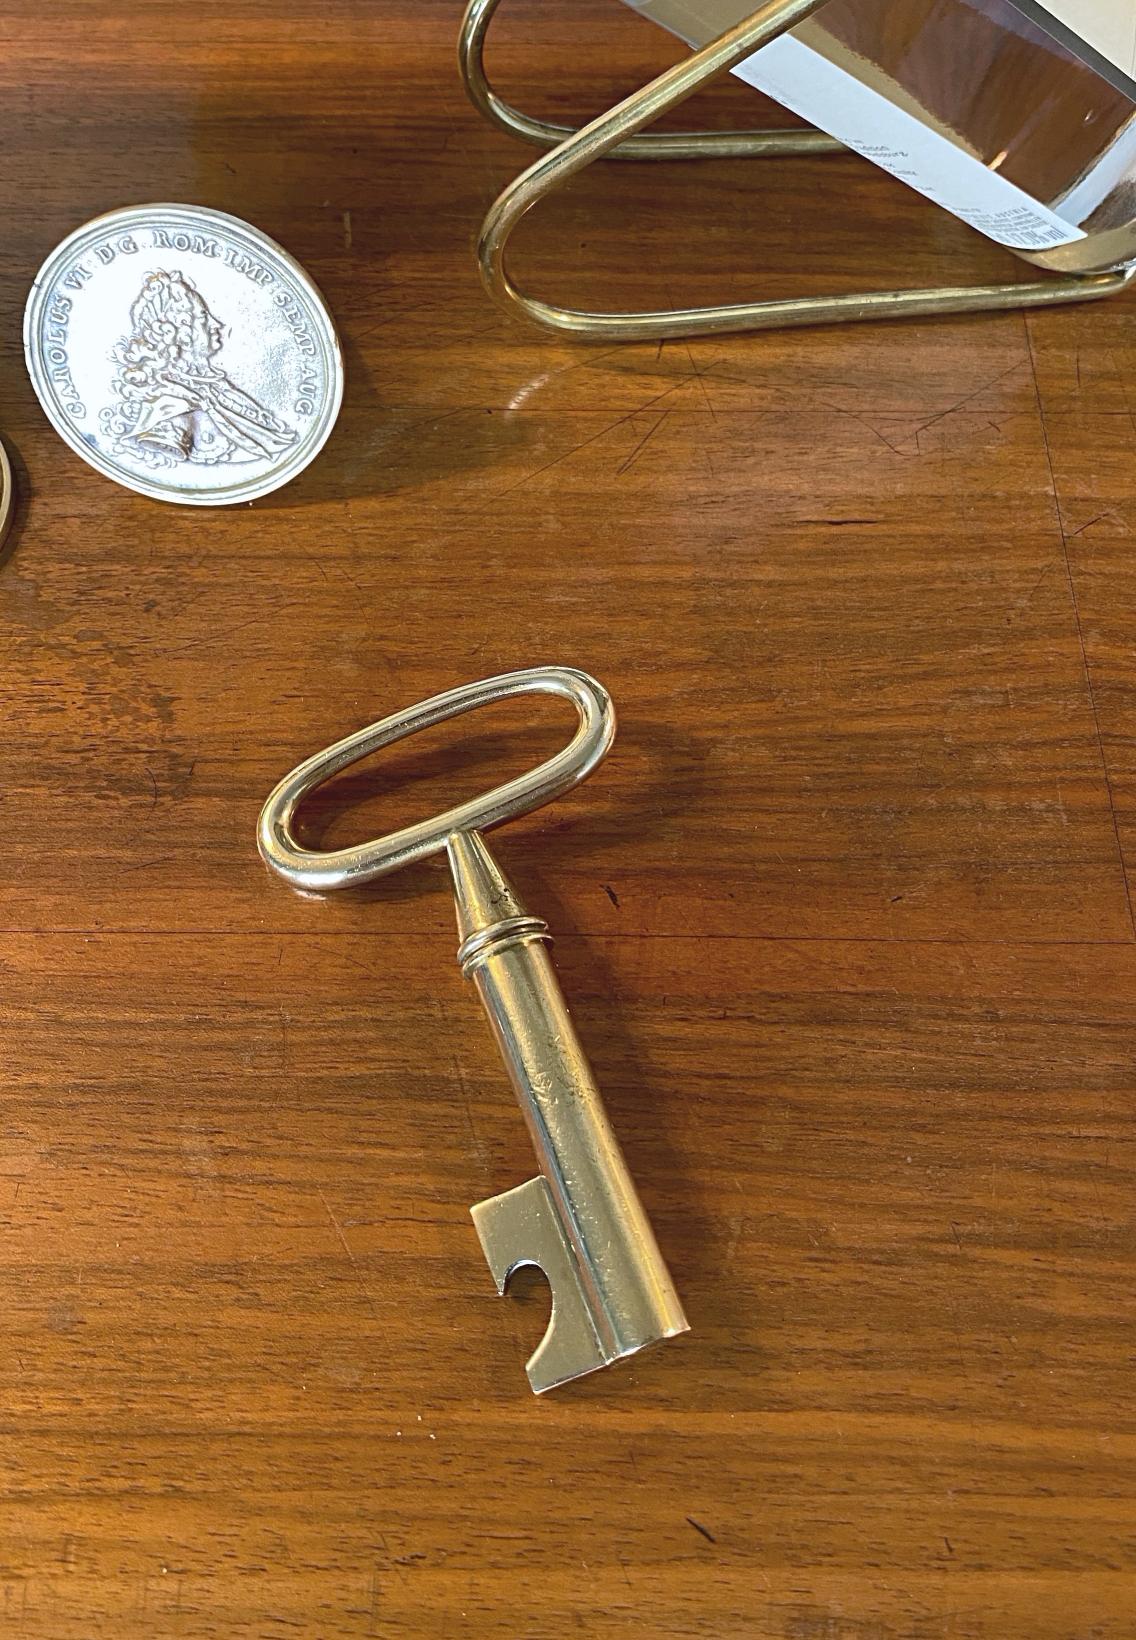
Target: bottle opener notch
[{"x": 520, "y": 1227}]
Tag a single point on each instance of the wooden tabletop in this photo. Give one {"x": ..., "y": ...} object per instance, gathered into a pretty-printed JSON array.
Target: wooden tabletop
[{"x": 845, "y": 919}]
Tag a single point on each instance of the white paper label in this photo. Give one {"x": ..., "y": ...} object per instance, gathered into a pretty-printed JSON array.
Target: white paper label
[{"x": 804, "y": 81}]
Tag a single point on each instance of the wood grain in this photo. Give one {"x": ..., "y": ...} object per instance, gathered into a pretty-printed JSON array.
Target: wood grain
[{"x": 845, "y": 919}]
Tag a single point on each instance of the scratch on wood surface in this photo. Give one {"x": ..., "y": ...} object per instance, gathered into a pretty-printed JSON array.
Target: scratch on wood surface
[
  {"x": 701, "y": 382},
  {"x": 337, "y": 1227},
  {"x": 1019, "y": 364},
  {"x": 479, "y": 1149},
  {"x": 1073, "y": 534},
  {"x": 625, "y": 466},
  {"x": 376, "y": 1595},
  {"x": 620, "y": 421}
]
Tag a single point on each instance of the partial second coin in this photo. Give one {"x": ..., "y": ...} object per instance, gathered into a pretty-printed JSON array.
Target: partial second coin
[{"x": 184, "y": 354}]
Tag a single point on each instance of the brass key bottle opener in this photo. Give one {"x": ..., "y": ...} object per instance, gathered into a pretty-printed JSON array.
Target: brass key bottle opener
[{"x": 580, "y": 1220}]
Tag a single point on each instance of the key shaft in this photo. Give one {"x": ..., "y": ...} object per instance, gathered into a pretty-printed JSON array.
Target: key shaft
[{"x": 581, "y": 1220}]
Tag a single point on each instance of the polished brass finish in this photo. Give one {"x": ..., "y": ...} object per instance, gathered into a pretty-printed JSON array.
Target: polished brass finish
[
  {"x": 655, "y": 145},
  {"x": 580, "y": 1219},
  {"x": 611, "y": 130},
  {"x": 7, "y": 495},
  {"x": 322, "y": 869}
]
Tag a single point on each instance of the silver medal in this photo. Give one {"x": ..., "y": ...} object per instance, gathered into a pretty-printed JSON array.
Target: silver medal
[{"x": 184, "y": 354}]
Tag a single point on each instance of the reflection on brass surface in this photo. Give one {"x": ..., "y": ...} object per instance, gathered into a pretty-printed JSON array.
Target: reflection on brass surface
[
  {"x": 7, "y": 495},
  {"x": 580, "y": 1219},
  {"x": 649, "y": 145}
]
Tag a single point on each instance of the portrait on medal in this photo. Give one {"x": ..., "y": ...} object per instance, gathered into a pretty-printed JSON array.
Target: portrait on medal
[{"x": 174, "y": 401}]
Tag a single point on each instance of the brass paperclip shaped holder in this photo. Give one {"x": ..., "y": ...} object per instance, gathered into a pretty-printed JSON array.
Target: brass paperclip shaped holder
[
  {"x": 618, "y": 134},
  {"x": 580, "y": 1219}
]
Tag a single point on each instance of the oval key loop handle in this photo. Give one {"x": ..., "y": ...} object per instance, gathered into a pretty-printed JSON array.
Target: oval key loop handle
[{"x": 322, "y": 869}]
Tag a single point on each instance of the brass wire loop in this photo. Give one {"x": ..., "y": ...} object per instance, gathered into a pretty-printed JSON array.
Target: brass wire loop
[
  {"x": 609, "y": 134},
  {"x": 654, "y": 145}
]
